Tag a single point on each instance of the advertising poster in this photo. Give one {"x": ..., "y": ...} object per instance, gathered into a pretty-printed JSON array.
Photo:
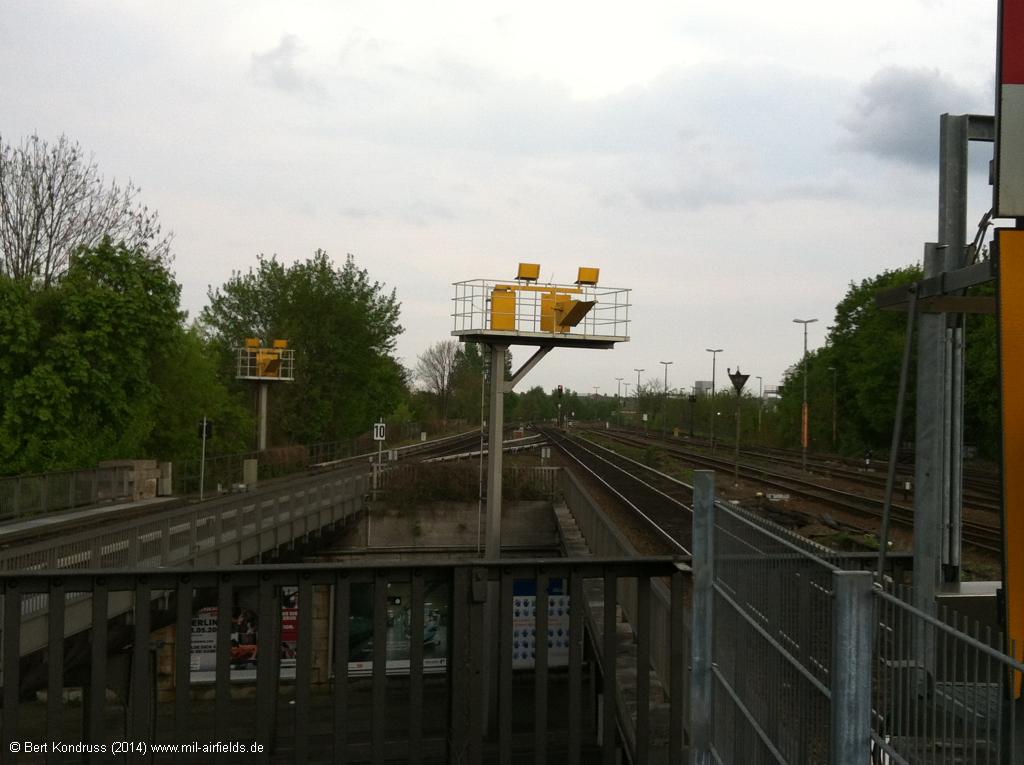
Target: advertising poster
[
  {"x": 435, "y": 628},
  {"x": 244, "y": 637},
  {"x": 524, "y": 623}
]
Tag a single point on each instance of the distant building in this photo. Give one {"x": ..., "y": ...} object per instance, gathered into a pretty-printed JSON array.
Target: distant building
[{"x": 702, "y": 387}]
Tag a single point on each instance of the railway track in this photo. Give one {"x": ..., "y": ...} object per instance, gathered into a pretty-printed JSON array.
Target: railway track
[
  {"x": 661, "y": 502},
  {"x": 982, "y": 536},
  {"x": 982, "y": 489}
]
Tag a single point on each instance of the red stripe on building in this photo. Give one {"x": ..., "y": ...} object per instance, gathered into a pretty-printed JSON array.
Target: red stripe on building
[{"x": 1012, "y": 40}]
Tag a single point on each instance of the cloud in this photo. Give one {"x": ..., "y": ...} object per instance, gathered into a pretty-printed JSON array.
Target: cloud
[
  {"x": 277, "y": 68},
  {"x": 896, "y": 115}
]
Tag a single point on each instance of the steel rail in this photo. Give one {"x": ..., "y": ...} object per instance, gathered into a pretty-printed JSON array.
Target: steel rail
[
  {"x": 979, "y": 535},
  {"x": 561, "y": 441}
]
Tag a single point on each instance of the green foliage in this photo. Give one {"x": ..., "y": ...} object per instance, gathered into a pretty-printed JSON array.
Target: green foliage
[
  {"x": 343, "y": 329},
  {"x": 536, "y": 406},
  {"x": 189, "y": 386},
  {"x": 466, "y": 389},
  {"x": 982, "y": 416},
  {"x": 98, "y": 366},
  {"x": 865, "y": 348}
]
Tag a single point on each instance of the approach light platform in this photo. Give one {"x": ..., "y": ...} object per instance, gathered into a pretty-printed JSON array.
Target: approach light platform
[{"x": 526, "y": 312}]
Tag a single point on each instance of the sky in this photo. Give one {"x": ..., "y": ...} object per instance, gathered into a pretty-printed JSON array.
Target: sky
[{"x": 736, "y": 165}]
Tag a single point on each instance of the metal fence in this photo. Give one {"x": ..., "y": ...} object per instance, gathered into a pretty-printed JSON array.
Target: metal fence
[
  {"x": 797, "y": 659},
  {"x": 317, "y": 708},
  {"x": 37, "y": 493},
  {"x": 225, "y": 531},
  {"x": 226, "y": 470},
  {"x": 944, "y": 690}
]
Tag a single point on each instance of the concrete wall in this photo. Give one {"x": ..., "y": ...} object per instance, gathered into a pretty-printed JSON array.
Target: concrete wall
[{"x": 447, "y": 527}]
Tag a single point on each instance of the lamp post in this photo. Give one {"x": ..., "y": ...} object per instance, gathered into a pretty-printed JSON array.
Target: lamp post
[
  {"x": 638, "y": 371},
  {"x": 804, "y": 424},
  {"x": 834, "y": 406},
  {"x": 714, "y": 357},
  {"x": 618, "y": 397},
  {"x": 760, "y": 403},
  {"x": 664, "y": 393}
]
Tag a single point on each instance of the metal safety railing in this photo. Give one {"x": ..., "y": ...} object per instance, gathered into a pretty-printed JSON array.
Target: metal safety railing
[
  {"x": 474, "y": 309},
  {"x": 425, "y": 663},
  {"x": 226, "y": 531},
  {"x": 944, "y": 690},
  {"x": 38, "y": 493},
  {"x": 226, "y": 470},
  {"x": 797, "y": 659},
  {"x": 605, "y": 539}
]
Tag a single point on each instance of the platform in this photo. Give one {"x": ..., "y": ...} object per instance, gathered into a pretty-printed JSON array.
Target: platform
[{"x": 540, "y": 339}]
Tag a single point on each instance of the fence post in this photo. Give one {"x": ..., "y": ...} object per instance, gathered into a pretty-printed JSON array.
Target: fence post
[
  {"x": 701, "y": 679},
  {"x": 852, "y": 629}
]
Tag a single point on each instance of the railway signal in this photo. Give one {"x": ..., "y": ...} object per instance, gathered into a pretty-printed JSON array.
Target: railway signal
[
  {"x": 264, "y": 365},
  {"x": 738, "y": 381}
]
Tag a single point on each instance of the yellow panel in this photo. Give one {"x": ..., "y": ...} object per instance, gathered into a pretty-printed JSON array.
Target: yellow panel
[
  {"x": 268, "y": 363},
  {"x": 280, "y": 343},
  {"x": 549, "y": 311},
  {"x": 503, "y": 310},
  {"x": 569, "y": 313},
  {"x": 252, "y": 342},
  {"x": 588, "y": 275},
  {"x": 1011, "y": 354},
  {"x": 529, "y": 271}
]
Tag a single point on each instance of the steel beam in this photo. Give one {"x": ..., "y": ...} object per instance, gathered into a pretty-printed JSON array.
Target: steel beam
[
  {"x": 930, "y": 485},
  {"x": 953, "y": 140},
  {"x": 496, "y": 426}
]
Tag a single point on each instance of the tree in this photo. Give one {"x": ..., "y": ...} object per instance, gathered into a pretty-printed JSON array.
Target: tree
[
  {"x": 54, "y": 202},
  {"x": 466, "y": 401},
  {"x": 535, "y": 406},
  {"x": 189, "y": 386},
  {"x": 865, "y": 348},
  {"x": 436, "y": 368},
  {"x": 77, "y": 377},
  {"x": 343, "y": 327}
]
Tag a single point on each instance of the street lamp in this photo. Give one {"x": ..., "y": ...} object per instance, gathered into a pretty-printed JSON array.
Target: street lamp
[
  {"x": 804, "y": 424},
  {"x": 834, "y": 407},
  {"x": 618, "y": 402},
  {"x": 638, "y": 371},
  {"x": 693, "y": 400},
  {"x": 760, "y": 403},
  {"x": 714, "y": 357},
  {"x": 664, "y": 393}
]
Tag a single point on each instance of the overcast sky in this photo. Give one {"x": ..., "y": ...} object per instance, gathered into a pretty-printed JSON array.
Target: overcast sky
[{"x": 735, "y": 164}]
